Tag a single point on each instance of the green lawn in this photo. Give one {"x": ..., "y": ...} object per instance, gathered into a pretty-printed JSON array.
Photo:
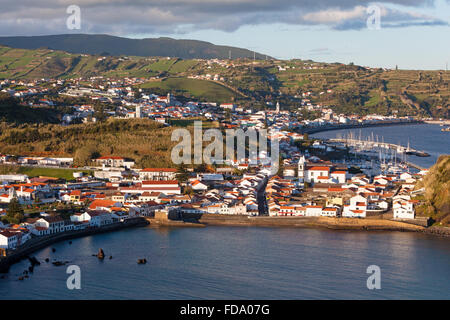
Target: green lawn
[{"x": 50, "y": 172}]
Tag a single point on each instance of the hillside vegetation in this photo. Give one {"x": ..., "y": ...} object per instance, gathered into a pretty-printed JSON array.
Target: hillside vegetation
[
  {"x": 11, "y": 111},
  {"x": 100, "y": 44},
  {"x": 437, "y": 191},
  {"x": 145, "y": 141}
]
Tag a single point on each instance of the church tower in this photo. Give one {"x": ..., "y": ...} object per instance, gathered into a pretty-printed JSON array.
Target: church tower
[
  {"x": 301, "y": 167},
  {"x": 278, "y": 107}
]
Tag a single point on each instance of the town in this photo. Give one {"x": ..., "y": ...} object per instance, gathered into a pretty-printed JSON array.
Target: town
[{"x": 315, "y": 178}]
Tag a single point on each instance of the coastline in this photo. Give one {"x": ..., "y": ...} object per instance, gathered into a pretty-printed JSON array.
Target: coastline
[
  {"x": 40, "y": 243},
  {"x": 205, "y": 220},
  {"x": 331, "y": 223}
]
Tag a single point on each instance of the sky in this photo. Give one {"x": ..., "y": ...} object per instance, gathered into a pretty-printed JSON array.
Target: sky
[{"x": 412, "y": 34}]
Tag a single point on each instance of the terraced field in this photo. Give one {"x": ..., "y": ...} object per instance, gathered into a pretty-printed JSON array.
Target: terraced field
[{"x": 345, "y": 88}]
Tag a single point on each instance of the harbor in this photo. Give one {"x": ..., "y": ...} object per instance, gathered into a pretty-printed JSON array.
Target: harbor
[{"x": 427, "y": 138}]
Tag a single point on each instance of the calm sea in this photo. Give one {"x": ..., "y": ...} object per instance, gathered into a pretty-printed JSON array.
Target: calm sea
[
  {"x": 241, "y": 263},
  {"x": 424, "y": 137},
  {"x": 251, "y": 263}
]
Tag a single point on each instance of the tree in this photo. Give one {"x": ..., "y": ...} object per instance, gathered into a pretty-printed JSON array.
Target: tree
[
  {"x": 182, "y": 174},
  {"x": 189, "y": 191},
  {"x": 280, "y": 166},
  {"x": 85, "y": 154},
  {"x": 14, "y": 213}
]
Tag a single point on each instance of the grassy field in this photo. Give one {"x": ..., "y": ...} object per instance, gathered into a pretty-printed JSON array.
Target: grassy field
[
  {"x": 197, "y": 89},
  {"x": 51, "y": 172}
]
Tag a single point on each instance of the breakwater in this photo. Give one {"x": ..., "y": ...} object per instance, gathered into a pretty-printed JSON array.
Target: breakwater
[
  {"x": 375, "y": 223},
  {"x": 357, "y": 126},
  {"x": 45, "y": 241}
]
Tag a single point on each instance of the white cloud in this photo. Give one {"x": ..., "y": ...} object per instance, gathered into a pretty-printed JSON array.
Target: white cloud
[{"x": 124, "y": 17}]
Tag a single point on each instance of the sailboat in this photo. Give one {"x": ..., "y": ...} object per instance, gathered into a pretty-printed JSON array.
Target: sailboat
[{"x": 409, "y": 150}]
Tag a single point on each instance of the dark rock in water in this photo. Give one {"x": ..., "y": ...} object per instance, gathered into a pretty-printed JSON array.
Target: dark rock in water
[
  {"x": 58, "y": 263},
  {"x": 47, "y": 259},
  {"x": 34, "y": 261},
  {"x": 25, "y": 272},
  {"x": 30, "y": 269},
  {"x": 142, "y": 261},
  {"x": 110, "y": 257},
  {"x": 70, "y": 242},
  {"x": 21, "y": 278},
  {"x": 100, "y": 254},
  {"x": 53, "y": 250},
  {"x": 26, "y": 277}
]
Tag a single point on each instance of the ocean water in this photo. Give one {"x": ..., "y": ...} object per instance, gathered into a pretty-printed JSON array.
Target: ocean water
[
  {"x": 423, "y": 137},
  {"x": 251, "y": 262},
  {"x": 240, "y": 263}
]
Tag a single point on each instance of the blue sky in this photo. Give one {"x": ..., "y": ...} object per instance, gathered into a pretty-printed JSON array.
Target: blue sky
[
  {"x": 414, "y": 34},
  {"x": 412, "y": 47}
]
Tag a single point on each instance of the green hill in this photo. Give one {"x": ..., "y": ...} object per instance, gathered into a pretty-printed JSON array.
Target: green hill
[
  {"x": 146, "y": 141},
  {"x": 347, "y": 89},
  {"x": 110, "y": 45},
  {"x": 437, "y": 191}
]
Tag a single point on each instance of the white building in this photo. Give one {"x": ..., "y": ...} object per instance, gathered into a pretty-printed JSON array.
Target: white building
[
  {"x": 403, "y": 209},
  {"x": 356, "y": 209},
  {"x": 157, "y": 174}
]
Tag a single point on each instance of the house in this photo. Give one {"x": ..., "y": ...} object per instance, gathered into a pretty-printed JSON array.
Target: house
[
  {"x": 330, "y": 212},
  {"x": 115, "y": 162},
  {"x": 157, "y": 174},
  {"x": 198, "y": 186},
  {"x": 313, "y": 211},
  {"x": 315, "y": 174},
  {"x": 100, "y": 218},
  {"x": 338, "y": 177},
  {"x": 101, "y": 204},
  {"x": 403, "y": 209},
  {"x": 53, "y": 224},
  {"x": 75, "y": 196},
  {"x": 118, "y": 197},
  {"x": 356, "y": 209},
  {"x": 151, "y": 196},
  {"x": 8, "y": 239},
  {"x": 224, "y": 208}
]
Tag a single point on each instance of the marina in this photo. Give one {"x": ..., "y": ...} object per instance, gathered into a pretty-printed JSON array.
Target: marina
[{"x": 427, "y": 138}]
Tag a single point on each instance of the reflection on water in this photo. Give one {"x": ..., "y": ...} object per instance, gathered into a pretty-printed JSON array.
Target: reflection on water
[{"x": 241, "y": 263}]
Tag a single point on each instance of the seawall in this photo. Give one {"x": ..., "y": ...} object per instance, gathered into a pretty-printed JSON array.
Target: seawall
[{"x": 324, "y": 222}]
